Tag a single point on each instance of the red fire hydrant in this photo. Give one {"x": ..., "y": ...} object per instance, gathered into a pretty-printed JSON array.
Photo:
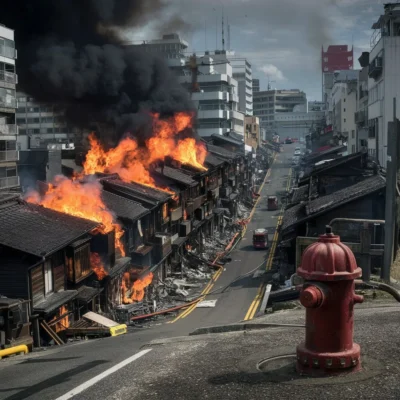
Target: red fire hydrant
[{"x": 329, "y": 269}]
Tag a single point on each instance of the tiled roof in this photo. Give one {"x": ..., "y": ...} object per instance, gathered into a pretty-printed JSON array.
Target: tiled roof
[
  {"x": 305, "y": 211},
  {"x": 332, "y": 150},
  {"x": 120, "y": 266},
  {"x": 292, "y": 216},
  {"x": 213, "y": 160},
  {"x": 37, "y": 230},
  {"x": 300, "y": 194},
  {"x": 122, "y": 207},
  {"x": 221, "y": 152},
  {"x": 332, "y": 164},
  {"x": 350, "y": 193},
  {"x": 228, "y": 139},
  {"x": 54, "y": 301},
  {"x": 176, "y": 175},
  {"x": 236, "y": 136},
  {"x": 136, "y": 190},
  {"x": 87, "y": 293}
]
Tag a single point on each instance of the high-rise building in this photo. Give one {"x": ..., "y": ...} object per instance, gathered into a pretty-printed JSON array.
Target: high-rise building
[
  {"x": 217, "y": 99},
  {"x": 361, "y": 115},
  {"x": 242, "y": 73},
  {"x": 41, "y": 124},
  {"x": 171, "y": 47},
  {"x": 8, "y": 104},
  {"x": 384, "y": 80},
  {"x": 335, "y": 58},
  {"x": 256, "y": 85},
  {"x": 269, "y": 103}
]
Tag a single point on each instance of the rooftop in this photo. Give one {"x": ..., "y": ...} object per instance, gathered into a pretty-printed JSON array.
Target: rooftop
[
  {"x": 332, "y": 150},
  {"x": 176, "y": 175},
  {"x": 37, "y": 230},
  {"x": 213, "y": 161},
  {"x": 305, "y": 211},
  {"x": 122, "y": 207},
  {"x": 54, "y": 301},
  {"x": 221, "y": 152},
  {"x": 136, "y": 190},
  {"x": 228, "y": 139}
]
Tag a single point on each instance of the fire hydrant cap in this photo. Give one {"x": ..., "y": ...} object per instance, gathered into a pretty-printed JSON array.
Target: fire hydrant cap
[{"x": 328, "y": 259}]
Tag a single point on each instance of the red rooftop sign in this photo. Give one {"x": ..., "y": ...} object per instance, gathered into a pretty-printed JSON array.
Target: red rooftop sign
[{"x": 337, "y": 58}]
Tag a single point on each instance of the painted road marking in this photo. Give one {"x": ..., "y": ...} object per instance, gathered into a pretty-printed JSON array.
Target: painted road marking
[
  {"x": 103, "y": 375},
  {"x": 256, "y": 302},
  {"x": 214, "y": 278}
]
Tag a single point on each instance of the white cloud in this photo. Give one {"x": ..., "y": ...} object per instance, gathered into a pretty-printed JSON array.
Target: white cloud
[
  {"x": 272, "y": 72},
  {"x": 368, "y": 10}
]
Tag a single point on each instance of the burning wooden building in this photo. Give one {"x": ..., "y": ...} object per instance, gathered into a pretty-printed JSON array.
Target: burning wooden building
[{"x": 34, "y": 243}]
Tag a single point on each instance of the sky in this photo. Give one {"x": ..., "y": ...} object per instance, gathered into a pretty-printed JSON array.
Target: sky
[{"x": 282, "y": 39}]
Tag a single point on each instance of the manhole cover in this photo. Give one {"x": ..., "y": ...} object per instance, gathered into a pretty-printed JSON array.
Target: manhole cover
[{"x": 280, "y": 366}]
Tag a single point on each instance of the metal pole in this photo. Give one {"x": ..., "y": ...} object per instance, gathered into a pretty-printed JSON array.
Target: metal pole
[{"x": 390, "y": 206}]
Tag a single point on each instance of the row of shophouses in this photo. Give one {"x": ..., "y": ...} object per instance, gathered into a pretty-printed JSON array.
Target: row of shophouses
[{"x": 45, "y": 255}]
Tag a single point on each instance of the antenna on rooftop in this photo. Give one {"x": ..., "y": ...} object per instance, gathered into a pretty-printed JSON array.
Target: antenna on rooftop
[
  {"x": 223, "y": 33},
  {"x": 229, "y": 34}
]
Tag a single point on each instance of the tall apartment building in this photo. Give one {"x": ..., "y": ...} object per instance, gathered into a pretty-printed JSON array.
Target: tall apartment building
[
  {"x": 171, "y": 47},
  {"x": 256, "y": 85},
  {"x": 384, "y": 80},
  {"x": 271, "y": 102},
  {"x": 8, "y": 104},
  {"x": 217, "y": 101},
  {"x": 361, "y": 115},
  {"x": 242, "y": 73},
  {"x": 41, "y": 125}
]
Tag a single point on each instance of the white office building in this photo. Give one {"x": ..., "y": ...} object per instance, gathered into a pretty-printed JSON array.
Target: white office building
[
  {"x": 8, "y": 103},
  {"x": 270, "y": 103},
  {"x": 217, "y": 101},
  {"x": 384, "y": 80},
  {"x": 242, "y": 73}
]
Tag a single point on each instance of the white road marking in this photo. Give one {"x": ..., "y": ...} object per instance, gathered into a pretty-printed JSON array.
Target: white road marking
[{"x": 103, "y": 375}]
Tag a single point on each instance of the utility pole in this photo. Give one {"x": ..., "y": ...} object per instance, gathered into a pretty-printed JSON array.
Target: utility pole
[{"x": 391, "y": 193}]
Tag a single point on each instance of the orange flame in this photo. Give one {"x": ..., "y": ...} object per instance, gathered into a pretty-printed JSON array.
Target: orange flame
[
  {"x": 97, "y": 266},
  {"x": 63, "y": 323},
  {"x": 137, "y": 289},
  {"x": 132, "y": 162},
  {"x": 80, "y": 200}
]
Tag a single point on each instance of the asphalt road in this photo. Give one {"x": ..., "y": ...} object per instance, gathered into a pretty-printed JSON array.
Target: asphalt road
[{"x": 56, "y": 372}]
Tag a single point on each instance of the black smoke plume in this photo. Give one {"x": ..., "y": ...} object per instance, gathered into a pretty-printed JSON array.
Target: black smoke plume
[{"x": 70, "y": 53}]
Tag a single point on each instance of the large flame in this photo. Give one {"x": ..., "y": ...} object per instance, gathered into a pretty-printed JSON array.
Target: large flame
[
  {"x": 97, "y": 266},
  {"x": 63, "y": 323},
  {"x": 134, "y": 291},
  {"x": 132, "y": 162},
  {"x": 80, "y": 200}
]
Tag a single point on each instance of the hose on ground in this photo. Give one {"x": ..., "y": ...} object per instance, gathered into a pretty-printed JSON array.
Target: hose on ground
[{"x": 379, "y": 285}]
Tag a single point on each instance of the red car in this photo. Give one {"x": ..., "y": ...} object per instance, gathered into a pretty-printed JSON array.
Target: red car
[{"x": 260, "y": 239}]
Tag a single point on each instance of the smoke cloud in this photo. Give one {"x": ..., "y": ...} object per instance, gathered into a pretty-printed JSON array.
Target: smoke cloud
[{"x": 70, "y": 53}]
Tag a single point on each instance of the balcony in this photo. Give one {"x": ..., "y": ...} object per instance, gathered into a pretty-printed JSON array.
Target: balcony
[
  {"x": 9, "y": 155},
  {"x": 7, "y": 51},
  {"x": 9, "y": 182},
  {"x": 9, "y": 129},
  {"x": 361, "y": 117},
  {"x": 7, "y": 102},
  {"x": 375, "y": 68},
  {"x": 8, "y": 77}
]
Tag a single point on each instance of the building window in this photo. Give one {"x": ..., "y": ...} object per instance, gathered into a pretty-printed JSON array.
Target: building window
[
  {"x": 48, "y": 277},
  {"x": 344, "y": 110},
  {"x": 344, "y": 120},
  {"x": 353, "y": 134},
  {"x": 353, "y": 148}
]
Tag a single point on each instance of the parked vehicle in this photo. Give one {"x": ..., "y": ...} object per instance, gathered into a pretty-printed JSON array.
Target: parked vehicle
[
  {"x": 297, "y": 153},
  {"x": 272, "y": 203},
  {"x": 260, "y": 239}
]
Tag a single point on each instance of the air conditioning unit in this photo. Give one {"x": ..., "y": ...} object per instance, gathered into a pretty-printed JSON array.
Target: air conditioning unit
[{"x": 161, "y": 239}]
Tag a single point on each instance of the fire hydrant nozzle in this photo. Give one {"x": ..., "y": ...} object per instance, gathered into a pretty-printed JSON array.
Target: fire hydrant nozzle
[
  {"x": 311, "y": 297},
  {"x": 328, "y": 268}
]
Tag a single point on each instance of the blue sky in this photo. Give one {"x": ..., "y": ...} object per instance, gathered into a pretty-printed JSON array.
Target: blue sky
[{"x": 282, "y": 39}]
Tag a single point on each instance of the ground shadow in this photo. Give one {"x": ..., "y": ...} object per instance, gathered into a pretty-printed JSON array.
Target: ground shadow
[{"x": 53, "y": 381}]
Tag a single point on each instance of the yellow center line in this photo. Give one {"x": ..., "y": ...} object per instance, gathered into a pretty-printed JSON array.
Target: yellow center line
[
  {"x": 214, "y": 278},
  {"x": 256, "y": 302}
]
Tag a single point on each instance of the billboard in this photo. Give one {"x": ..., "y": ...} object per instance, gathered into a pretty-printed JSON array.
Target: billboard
[{"x": 336, "y": 58}]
